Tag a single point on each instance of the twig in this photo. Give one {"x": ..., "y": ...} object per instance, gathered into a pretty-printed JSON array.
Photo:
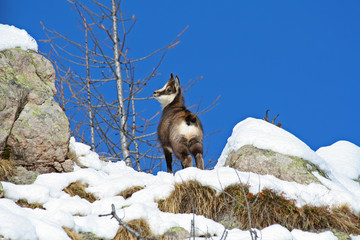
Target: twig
[{"x": 123, "y": 224}]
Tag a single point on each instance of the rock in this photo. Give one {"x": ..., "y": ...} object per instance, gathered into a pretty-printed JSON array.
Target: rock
[
  {"x": 88, "y": 236},
  {"x": 33, "y": 127},
  {"x": 68, "y": 165},
  {"x": 287, "y": 168},
  {"x": 23, "y": 176},
  {"x": 176, "y": 233}
]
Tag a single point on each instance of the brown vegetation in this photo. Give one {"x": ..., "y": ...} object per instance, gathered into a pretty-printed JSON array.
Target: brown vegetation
[
  {"x": 72, "y": 235},
  {"x": 6, "y": 169},
  {"x": 24, "y": 203},
  {"x": 77, "y": 188},
  {"x": 139, "y": 225},
  {"x": 127, "y": 193},
  {"x": 266, "y": 208}
]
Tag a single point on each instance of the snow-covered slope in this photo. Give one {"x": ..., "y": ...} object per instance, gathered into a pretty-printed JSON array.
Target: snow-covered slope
[
  {"x": 343, "y": 157},
  {"x": 12, "y": 37},
  {"x": 106, "y": 180},
  {"x": 340, "y": 161}
]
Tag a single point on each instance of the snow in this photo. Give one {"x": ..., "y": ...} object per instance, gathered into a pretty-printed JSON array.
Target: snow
[
  {"x": 343, "y": 157},
  {"x": 12, "y": 37},
  {"x": 298, "y": 234},
  {"x": 106, "y": 180}
]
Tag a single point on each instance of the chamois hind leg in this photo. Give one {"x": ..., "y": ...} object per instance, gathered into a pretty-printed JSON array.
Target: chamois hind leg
[
  {"x": 168, "y": 158},
  {"x": 182, "y": 152},
  {"x": 196, "y": 149}
]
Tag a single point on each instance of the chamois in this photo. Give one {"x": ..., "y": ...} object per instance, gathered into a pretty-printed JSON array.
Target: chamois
[{"x": 179, "y": 131}]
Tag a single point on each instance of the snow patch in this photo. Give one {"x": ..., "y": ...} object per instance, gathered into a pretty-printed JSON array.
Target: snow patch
[
  {"x": 106, "y": 180},
  {"x": 12, "y": 37},
  {"x": 343, "y": 157}
]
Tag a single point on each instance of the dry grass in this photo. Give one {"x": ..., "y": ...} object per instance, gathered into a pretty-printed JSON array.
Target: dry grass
[
  {"x": 77, "y": 188},
  {"x": 188, "y": 196},
  {"x": 6, "y": 169},
  {"x": 130, "y": 191},
  {"x": 267, "y": 208},
  {"x": 24, "y": 203},
  {"x": 139, "y": 225},
  {"x": 73, "y": 235}
]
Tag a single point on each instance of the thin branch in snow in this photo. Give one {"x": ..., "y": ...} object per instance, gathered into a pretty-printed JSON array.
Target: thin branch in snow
[{"x": 124, "y": 225}]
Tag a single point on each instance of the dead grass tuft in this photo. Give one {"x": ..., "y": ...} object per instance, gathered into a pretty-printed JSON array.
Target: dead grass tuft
[
  {"x": 267, "y": 208},
  {"x": 72, "y": 235},
  {"x": 6, "y": 169},
  {"x": 127, "y": 193},
  {"x": 190, "y": 197},
  {"x": 26, "y": 204},
  {"x": 77, "y": 188},
  {"x": 139, "y": 225}
]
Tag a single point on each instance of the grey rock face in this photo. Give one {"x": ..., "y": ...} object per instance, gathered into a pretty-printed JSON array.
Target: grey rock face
[
  {"x": 33, "y": 127},
  {"x": 288, "y": 168}
]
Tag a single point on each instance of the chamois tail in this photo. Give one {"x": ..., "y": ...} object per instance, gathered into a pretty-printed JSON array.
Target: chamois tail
[{"x": 190, "y": 118}]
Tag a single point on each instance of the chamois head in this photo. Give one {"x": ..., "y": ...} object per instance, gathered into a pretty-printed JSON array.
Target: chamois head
[{"x": 168, "y": 93}]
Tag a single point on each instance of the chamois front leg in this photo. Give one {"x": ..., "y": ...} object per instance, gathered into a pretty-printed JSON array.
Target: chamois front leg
[
  {"x": 196, "y": 149},
  {"x": 168, "y": 157}
]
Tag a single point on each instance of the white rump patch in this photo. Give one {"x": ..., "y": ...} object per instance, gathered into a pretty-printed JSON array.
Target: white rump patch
[{"x": 188, "y": 131}]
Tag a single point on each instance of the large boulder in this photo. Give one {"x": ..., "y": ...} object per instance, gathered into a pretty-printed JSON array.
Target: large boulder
[
  {"x": 288, "y": 168},
  {"x": 34, "y": 130}
]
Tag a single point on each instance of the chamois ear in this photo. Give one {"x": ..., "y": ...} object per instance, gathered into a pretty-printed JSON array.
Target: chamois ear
[
  {"x": 177, "y": 83},
  {"x": 171, "y": 76}
]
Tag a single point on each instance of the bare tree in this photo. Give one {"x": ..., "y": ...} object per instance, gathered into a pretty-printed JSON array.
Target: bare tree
[{"x": 91, "y": 73}]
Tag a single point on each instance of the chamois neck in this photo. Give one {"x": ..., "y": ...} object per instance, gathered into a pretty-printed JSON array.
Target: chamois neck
[{"x": 178, "y": 102}]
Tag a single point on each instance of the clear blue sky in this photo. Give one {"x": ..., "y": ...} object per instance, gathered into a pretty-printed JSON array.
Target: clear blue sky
[{"x": 298, "y": 58}]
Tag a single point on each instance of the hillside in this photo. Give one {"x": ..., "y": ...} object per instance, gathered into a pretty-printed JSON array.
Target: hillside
[{"x": 57, "y": 209}]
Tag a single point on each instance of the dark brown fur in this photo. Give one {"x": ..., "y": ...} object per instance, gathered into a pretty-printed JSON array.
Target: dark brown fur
[{"x": 179, "y": 131}]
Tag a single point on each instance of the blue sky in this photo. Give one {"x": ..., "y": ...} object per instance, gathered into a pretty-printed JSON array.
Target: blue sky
[{"x": 300, "y": 59}]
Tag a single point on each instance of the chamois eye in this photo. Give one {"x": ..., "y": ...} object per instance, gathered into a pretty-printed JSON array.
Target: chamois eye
[{"x": 168, "y": 90}]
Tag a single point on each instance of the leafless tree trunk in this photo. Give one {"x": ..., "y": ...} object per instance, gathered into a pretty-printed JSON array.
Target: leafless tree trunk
[
  {"x": 119, "y": 84},
  {"x": 88, "y": 89}
]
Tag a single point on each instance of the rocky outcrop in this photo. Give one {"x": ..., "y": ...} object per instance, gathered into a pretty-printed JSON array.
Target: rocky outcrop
[
  {"x": 34, "y": 131},
  {"x": 288, "y": 168}
]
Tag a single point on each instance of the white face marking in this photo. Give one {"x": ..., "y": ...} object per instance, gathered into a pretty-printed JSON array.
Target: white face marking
[
  {"x": 188, "y": 131},
  {"x": 165, "y": 99}
]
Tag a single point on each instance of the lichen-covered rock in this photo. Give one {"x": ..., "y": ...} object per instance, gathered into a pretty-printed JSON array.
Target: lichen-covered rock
[
  {"x": 176, "y": 233},
  {"x": 23, "y": 176},
  {"x": 33, "y": 127},
  {"x": 288, "y": 168}
]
